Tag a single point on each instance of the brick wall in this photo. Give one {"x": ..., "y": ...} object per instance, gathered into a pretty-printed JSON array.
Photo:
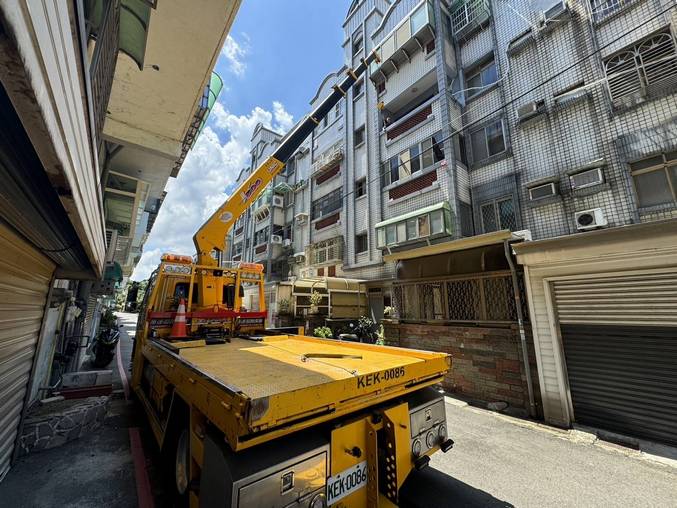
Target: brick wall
[{"x": 486, "y": 363}]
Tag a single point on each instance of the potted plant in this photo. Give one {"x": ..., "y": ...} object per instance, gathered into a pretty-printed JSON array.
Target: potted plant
[
  {"x": 315, "y": 300},
  {"x": 284, "y": 307},
  {"x": 323, "y": 332}
]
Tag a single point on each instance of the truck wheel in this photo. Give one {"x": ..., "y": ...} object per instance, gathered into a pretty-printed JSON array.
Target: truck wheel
[{"x": 182, "y": 463}]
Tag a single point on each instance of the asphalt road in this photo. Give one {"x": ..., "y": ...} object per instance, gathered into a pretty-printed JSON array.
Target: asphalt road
[{"x": 502, "y": 461}]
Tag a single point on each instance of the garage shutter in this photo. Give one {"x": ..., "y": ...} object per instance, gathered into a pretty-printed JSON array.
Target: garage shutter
[
  {"x": 624, "y": 378},
  {"x": 640, "y": 299},
  {"x": 620, "y": 344},
  {"x": 25, "y": 276}
]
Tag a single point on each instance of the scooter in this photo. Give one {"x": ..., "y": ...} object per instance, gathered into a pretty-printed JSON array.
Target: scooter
[{"x": 104, "y": 345}]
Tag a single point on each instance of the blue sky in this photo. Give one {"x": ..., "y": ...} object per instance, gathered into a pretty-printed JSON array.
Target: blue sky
[
  {"x": 275, "y": 57},
  {"x": 291, "y": 45}
]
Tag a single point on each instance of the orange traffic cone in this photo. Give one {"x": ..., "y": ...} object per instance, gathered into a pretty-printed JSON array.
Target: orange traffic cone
[{"x": 179, "y": 326}]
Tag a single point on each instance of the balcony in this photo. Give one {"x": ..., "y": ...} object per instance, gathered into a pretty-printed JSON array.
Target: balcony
[
  {"x": 469, "y": 17},
  {"x": 325, "y": 252},
  {"x": 412, "y": 34},
  {"x": 328, "y": 159}
]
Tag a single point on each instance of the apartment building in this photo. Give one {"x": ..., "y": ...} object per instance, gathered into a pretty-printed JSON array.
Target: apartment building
[
  {"x": 483, "y": 120},
  {"x": 87, "y": 145}
]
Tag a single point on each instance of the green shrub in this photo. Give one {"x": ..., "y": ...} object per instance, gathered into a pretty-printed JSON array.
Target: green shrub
[{"x": 323, "y": 332}]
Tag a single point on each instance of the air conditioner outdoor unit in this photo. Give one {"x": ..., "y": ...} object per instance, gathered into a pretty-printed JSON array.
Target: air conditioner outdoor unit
[
  {"x": 287, "y": 242},
  {"x": 301, "y": 218},
  {"x": 555, "y": 11},
  {"x": 590, "y": 219},
  {"x": 529, "y": 109},
  {"x": 278, "y": 201},
  {"x": 276, "y": 239}
]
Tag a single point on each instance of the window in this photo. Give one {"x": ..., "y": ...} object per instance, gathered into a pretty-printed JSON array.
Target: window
[
  {"x": 337, "y": 109},
  {"x": 487, "y": 141},
  {"x": 357, "y": 89},
  {"x": 498, "y": 214},
  {"x": 290, "y": 166},
  {"x": 480, "y": 77},
  {"x": 418, "y": 227},
  {"x": 331, "y": 271},
  {"x": 237, "y": 249},
  {"x": 655, "y": 180},
  {"x": 430, "y": 47},
  {"x": 603, "y": 8},
  {"x": 381, "y": 87},
  {"x": 325, "y": 121},
  {"x": 357, "y": 45},
  {"x": 642, "y": 66},
  {"x": 413, "y": 159},
  {"x": 261, "y": 236},
  {"x": 320, "y": 272},
  {"x": 327, "y": 204},
  {"x": 361, "y": 243},
  {"x": 358, "y": 136},
  {"x": 361, "y": 187}
]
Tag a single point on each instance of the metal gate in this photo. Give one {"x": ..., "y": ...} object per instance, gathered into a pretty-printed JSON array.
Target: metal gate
[
  {"x": 25, "y": 276},
  {"x": 620, "y": 343}
]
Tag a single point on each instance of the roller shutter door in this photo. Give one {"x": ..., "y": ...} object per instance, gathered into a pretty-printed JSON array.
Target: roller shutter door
[
  {"x": 620, "y": 344},
  {"x": 25, "y": 276}
]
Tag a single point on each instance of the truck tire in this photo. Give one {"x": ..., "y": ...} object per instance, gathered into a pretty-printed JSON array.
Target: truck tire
[{"x": 176, "y": 454}]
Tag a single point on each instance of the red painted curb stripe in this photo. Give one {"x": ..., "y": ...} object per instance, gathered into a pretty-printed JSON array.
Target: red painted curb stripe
[
  {"x": 121, "y": 370},
  {"x": 143, "y": 491}
]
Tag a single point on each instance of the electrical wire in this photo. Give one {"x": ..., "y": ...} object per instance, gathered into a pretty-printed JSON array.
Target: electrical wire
[{"x": 503, "y": 106}]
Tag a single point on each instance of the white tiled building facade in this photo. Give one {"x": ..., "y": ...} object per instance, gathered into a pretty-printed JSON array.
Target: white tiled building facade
[{"x": 481, "y": 116}]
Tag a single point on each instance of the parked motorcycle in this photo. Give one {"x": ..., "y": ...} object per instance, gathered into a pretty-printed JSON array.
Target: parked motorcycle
[{"x": 106, "y": 340}]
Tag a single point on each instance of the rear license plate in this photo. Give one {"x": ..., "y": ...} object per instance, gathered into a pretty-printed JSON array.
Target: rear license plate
[{"x": 346, "y": 482}]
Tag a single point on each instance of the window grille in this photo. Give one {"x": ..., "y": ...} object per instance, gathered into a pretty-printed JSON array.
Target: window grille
[
  {"x": 645, "y": 65},
  {"x": 498, "y": 214},
  {"x": 419, "y": 156},
  {"x": 467, "y": 13},
  {"x": 327, "y": 204},
  {"x": 473, "y": 298}
]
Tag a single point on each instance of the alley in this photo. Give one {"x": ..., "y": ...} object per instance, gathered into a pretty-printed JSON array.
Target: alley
[
  {"x": 502, "y": 461},
  {"x": 93, "y": 471}
]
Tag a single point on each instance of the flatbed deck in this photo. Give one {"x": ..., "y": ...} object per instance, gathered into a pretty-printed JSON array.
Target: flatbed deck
[{"x": 290, "y": 380}]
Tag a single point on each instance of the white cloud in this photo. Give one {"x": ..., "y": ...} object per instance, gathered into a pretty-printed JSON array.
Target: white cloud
[
  {"x": 235, "y": 52},
  {"x": 209, "y": 169},
  {"x": 283, "y": 119}
]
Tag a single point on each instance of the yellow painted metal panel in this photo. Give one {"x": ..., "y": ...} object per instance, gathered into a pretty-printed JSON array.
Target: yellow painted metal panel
[{"x": 25, "y": 275}]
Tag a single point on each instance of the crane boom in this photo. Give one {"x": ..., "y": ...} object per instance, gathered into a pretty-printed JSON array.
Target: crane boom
[{"x": 210, "y": 239}]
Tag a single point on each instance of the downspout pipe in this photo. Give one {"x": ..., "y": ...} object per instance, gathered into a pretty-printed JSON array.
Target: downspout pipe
[{"x": 520, "y": 324}]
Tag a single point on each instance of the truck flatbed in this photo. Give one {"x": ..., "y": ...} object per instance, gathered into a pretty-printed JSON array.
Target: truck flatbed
[{"x": 279, "y": 384}]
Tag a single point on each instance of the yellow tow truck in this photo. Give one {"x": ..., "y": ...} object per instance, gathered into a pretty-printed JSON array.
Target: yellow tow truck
[{"x": 248, "y": 416}]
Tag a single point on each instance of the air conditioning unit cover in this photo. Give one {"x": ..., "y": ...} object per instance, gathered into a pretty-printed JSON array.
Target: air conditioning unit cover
[
  {"x": 301, "y": 218},
  {"x": 590, "y": 219},
  {"x": 529, "y": 109},
  {"x": 555, "y": 11},
  {"x": 287, "y": 242},
  {"x": 276, "y": 238}
]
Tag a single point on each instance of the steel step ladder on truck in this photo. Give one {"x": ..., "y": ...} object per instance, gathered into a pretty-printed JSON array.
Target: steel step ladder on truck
[{"x": 249, "y": 416}]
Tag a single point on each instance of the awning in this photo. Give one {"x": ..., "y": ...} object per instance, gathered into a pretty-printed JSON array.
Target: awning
[
  {"x": 213, "y": 92},
  {"x": 329, "y": 283},
  {"x": 470, "y": 242},
  {"x": 411, "y": 215},
  {"x": 133, "y": 31},
  {"x": 113, "y": 272}
]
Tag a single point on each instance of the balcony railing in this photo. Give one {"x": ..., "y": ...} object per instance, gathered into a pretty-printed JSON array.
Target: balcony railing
[
  {"x": 469, "y": 15},
  {"x": 409, "y": 121},
  {"x": 329, "y": 158},
  {"x": 104, "y": 59}
]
